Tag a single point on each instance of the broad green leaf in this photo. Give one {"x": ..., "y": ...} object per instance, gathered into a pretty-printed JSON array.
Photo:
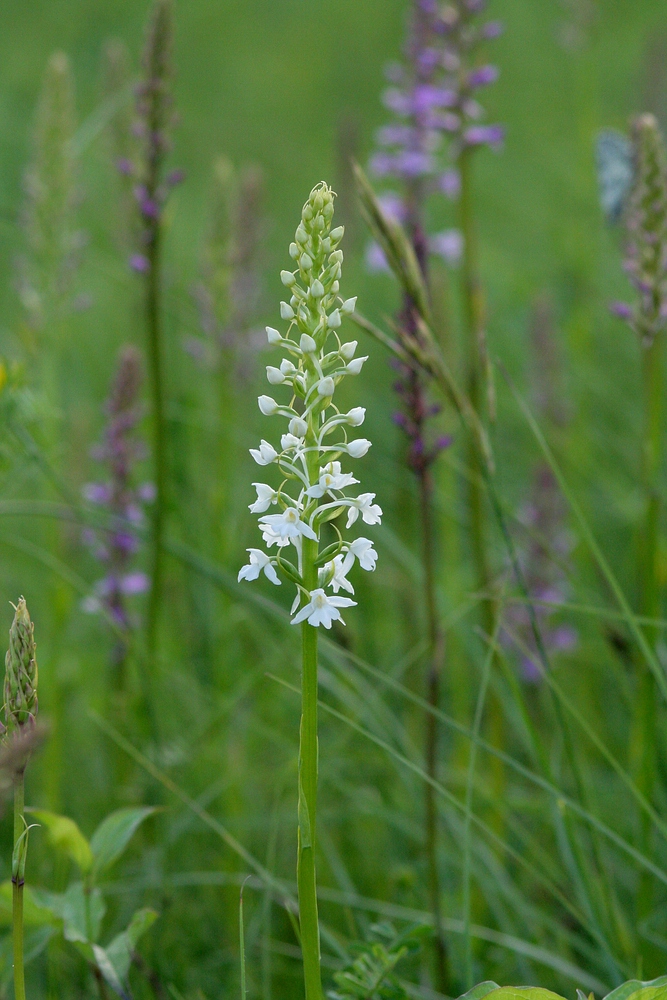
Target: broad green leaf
[
  {"x": 81, "y": 912},
  {"x": 35, "y": 913},
  {"x": 522, "y": 993},
  {"x": 480, "y": 991},
  {"x": 105, "y": 966},
  {"x": 656, "y": 989},
  {"x": 119, "y": 951},
  {"x": 64, "y": 834},
  {"x": 114, "y": 833}
]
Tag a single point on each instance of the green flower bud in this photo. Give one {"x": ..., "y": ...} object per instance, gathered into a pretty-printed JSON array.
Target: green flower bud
[
  {"x": 286, "y": 311},
  {"x": 317, "y": 289},
  {"x": 287, "y": 278},
  {"x": 20, "y": 671},
  {"x": 337, "y": 234}
]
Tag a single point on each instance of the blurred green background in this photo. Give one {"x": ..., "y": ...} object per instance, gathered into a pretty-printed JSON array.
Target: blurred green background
[{"x": 294, "y": 86}]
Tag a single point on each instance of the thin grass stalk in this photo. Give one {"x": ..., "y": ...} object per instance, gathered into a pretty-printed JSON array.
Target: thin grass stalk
[
  {"x": 474, "y": 317},
  {"x": 435, "y": 661},
  {"x": 646, "y": 723},
  {"x": 420, "y": 460},
  {"x": 470, "y": 783}
]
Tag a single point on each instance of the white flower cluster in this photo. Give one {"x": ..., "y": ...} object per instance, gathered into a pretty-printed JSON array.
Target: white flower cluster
[{"x": 313, "y": 487}]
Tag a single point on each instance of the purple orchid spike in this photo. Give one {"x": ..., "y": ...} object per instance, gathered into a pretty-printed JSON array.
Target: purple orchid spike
[
  {"x": 119, "y": 451},
  {"x": 546, "y": 547}
]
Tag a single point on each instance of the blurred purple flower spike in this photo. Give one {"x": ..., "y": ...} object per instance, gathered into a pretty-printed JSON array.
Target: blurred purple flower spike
[
  {"x": 485, "y": 135},
  {"x": 448, "y": 245},
  {"x": 483, "y": 77},
  {"x": 119, "y": 451}
]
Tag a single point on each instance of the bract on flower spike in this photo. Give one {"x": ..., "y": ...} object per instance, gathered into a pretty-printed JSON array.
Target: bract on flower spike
[{"x": 314, "y": 490}]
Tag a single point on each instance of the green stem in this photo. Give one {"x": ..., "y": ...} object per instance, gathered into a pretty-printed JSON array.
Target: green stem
[
  {"x": 17, "y": 892},
  {"x": 308, "y": 753},
  {"x": 154, "y": 331},
  {"x": 644, "y": 737},
  {"x": 435, "y": 660},
  {"x": 474, "y": 316}
]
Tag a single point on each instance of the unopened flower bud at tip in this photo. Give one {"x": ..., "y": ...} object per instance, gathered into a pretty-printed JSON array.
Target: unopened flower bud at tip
[
  {"x": 358, "y": 448},
  {"x": 356, "y": 365},
  {"x": 356, "y": 416},
  {"x": 20, "y": 691},
  {"x": 337, "y": 234},
  {"x": 287, "y": 278},
  {"x": 267, "y": 405}
]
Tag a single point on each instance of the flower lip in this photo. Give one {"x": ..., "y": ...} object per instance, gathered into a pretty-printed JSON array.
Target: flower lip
[{"x": 322, "y": 609}]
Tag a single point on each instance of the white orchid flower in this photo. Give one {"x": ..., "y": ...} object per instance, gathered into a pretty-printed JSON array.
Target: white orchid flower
[{"x": 322, "y": 609}]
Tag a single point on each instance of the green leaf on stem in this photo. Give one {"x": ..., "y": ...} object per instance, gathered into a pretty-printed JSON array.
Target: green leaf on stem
[
  {"x": 522, "y": 993},
  {"x": 480, "y": 991},
  {"x": 114, "y": 834},
  {"x": 81, "y": 912},
  {"x": 119, "y": 951},
  {"x": 64, "y": 834},
  {"x": 656, "y": 989}
]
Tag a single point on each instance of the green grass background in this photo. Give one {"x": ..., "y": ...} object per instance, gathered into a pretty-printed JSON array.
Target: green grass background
[{"x": 274, "y": 83}]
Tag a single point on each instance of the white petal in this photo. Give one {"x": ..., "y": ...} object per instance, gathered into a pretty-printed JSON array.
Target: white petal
[
  {"x": 302, "y": 615},
  {"x": 270, "y": 574},
  {"x": 307, "y": 531}
]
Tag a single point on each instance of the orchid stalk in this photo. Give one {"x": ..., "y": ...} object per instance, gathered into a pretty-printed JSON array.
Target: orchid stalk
[
  {"x": 20, "y": 707},
  {"x": 432, "y": 98},
  {"x": 152, "y": 187},
  {"x": 312, "y": 497},
  {"x": 647, "y": 317}
]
